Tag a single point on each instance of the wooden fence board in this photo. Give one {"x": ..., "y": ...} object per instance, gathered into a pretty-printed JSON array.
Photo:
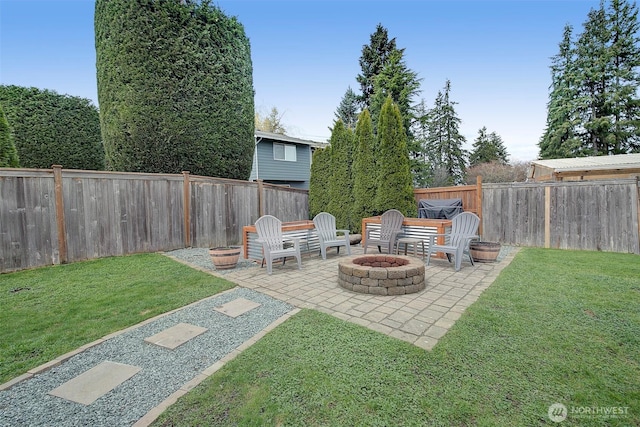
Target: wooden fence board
[{"x": 593, "y": 215}]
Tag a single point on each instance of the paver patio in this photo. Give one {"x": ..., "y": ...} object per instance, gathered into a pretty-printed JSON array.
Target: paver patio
[{"x": 420, "y": 318}]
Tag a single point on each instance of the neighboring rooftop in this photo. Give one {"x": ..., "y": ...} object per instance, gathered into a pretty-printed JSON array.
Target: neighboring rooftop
[
  {"x": 581, "y": 168},
  {"x": 287, "y": 138}
]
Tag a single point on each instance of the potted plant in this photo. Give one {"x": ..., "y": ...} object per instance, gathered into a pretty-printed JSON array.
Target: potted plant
[
  {"x": 484, "y": 251},
  {"x": 225, "y": 257}
]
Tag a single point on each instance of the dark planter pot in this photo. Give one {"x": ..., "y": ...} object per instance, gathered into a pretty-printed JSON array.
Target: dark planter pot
[
  {"x": 225, "y": 258},
  {"x": 484, "y": 251}
]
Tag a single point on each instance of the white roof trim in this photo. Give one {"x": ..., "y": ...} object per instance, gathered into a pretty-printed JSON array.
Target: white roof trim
[
  {"x": 286, "y": 138},
  {"x": 618, "y": 161}
]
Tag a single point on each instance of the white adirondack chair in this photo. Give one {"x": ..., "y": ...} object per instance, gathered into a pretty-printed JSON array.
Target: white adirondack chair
[
  {"x": 463, "y": 230},
  {"x": 325, "y": 224},
  {"x": 269, "y": 229},
  {"x": 390, "y": 227}
]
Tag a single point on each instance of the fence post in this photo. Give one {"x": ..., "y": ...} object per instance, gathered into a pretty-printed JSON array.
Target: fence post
[
  {"x": 62, "y": 230},
  {"x": 479, "y": 201},
  {"x": 547, "y": 216},
  {"x": 260, "y": 198},
  {"x": 186, "y": 201}
]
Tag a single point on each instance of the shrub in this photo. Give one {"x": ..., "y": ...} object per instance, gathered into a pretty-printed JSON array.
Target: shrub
[
  {"x": 175, "y": 88},
  {"x": 50, "y": 129}
]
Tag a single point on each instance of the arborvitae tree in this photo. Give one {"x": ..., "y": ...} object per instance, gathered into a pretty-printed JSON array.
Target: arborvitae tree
[
  {"x": 488, "y": 148},
  {"x": 561, "y": 138},
  {"x": 372, "y": 61},
  {"x": 341, "y": 184},
  {"x": 8, "y": 153},
  {"x": 52, "y": 129},
  {"x": 395, "y": 189},
  {"x": 365, "y": 171},
  {"x": 348, "y": 109},
  {"x": 175, "y": 88},
  {"x": 445, "y": 141},
  {"x": 319, "y": 181}
]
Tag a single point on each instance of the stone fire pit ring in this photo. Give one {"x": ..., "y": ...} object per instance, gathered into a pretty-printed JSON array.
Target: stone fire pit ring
[{"x": 381, "y": 274}]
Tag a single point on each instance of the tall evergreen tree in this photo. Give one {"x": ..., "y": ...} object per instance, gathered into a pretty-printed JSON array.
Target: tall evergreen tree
[
  {"x": 8, "y": 153},
  {"x": 365, "y": 171},
  {"x": 318, "y": 182},
  {"x": 488, "y": 148},
  {"x": 397, "y": 81},
  {"x": 622, "y": 19},
  {"x": 421, "y": 163},
  {"x": 372, "y": 61},
  {"x": 395, "y": 189},
  {"x": 445, "y": 141},
  {"x": 341, "y": 184},
  {"x": 348, "y": 109},
  {"x": 592, "y": 63},
  {"x": 594, "y": 105},
  {"x": 561, "y": 137},
  {"x": 175, "y": 88}
]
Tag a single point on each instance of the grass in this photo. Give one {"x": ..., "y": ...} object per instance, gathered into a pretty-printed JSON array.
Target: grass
[
  {"x": 556, "y": 326},
  {"x": 50, "y": 311}
]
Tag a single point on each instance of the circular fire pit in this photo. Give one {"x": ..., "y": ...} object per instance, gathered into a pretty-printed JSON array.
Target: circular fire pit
[{"x": 381, "y": 274}]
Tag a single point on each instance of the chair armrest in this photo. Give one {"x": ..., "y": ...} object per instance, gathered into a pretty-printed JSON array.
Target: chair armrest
[
  {"x": 295, "y": 240},
  {"x": 345, "y": 232}
]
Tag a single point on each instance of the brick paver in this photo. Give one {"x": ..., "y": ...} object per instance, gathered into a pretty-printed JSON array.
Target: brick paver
[{"x": 421, "y": 318}]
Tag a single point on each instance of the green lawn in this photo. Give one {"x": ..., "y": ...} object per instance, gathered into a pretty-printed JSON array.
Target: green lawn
[
  {"x": 49, "y": 311},
  {"x": 555, "y": 327}
]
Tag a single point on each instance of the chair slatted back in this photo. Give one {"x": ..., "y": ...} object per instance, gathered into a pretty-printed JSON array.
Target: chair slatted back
[
  {"x": 325, "y": 224},
  {"x": 391, "y": 221},
  {"x": 463, "y": 225},
  {"x": 269, "y": 229}
]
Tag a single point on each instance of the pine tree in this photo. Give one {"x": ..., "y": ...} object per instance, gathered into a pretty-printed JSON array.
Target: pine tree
[
  {"x": 395, "y": 189},
  {"x": 561, "y": 137},
  {"x": 319, "y": 180},
  {"x": 445, "y": 141},
  {"x": 8, "y": 153},
  {"x": 365, "y": 171},
  {"x": 372, "y": 61},
  {"x": 622, "y": 19},
  {"x": 341, "y": 184},
  {"x": 421, "y": 163},
  {"x": 593, "y": 106},
  {"x": 397, "y": 81},
  {"x": 348, "y": 109},
  {"x": 488, "y": 148}
]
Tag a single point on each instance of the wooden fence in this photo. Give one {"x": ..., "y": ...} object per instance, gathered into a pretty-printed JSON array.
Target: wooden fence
[
  {"x": 589, "y": 215},
  {"x": 55, "y": 216}
]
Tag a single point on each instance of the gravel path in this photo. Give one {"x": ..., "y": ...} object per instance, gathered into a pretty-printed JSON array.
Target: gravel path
[{"x": 163, "y": 371}]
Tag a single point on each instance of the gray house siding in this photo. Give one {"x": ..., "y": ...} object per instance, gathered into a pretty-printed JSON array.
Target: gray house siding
[{"x": 283, "y": 172}]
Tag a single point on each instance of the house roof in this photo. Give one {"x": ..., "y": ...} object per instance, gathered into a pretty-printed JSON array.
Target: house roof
[
  {"x": 286, "y": 138},
  {"x": 618, "y": 161}
]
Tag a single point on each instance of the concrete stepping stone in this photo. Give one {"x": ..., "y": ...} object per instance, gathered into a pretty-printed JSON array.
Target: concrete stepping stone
[
  {"x": 176, "y": 335},
  {"x": 237, "y": 307},
  {"x": 87, "y": 387}
]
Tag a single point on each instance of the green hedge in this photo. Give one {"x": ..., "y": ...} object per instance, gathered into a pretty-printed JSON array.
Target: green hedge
[
  {"x": 49, "y": 128},
  {"x": 175, "y": 88}
]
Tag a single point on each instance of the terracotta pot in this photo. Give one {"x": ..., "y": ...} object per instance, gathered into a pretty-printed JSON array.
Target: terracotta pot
[
  {"x": 225, "y": 258},
  {"x": 484, "y": 251}
]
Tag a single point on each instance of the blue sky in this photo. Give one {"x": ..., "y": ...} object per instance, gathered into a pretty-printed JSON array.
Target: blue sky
[{"x": 305, "y": 54}]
